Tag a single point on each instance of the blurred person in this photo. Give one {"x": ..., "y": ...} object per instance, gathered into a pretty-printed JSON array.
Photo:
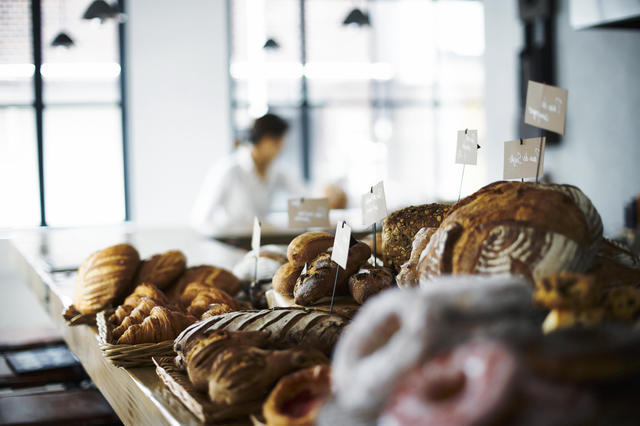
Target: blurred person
[{"x": 245, "y": 183}]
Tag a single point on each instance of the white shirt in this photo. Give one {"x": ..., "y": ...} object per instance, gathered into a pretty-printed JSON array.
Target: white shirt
[{"x": 233, "y": 193}]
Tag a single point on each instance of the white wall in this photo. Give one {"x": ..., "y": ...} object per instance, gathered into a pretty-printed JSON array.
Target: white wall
[
  {"x": 600, "y": 152},
  {"x": 178, "y": 103}
]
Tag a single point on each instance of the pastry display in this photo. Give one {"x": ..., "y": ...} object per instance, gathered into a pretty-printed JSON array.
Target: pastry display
[
  {"x": 528, "y": 229},
  {"x": 297, "y": 398},
  {"x": 369, "y": 281},
  {"x": 161, "y": 269},
  {"x": 401, "y": 226},
  {"x": 105, "y": 277},
  {"x": 142, "y": 291}
]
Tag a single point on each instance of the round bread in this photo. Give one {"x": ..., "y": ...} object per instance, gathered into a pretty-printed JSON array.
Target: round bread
[
  {"x": 211, "y": 276},
  {"x": 306, "y": 247},
  {"x": 297, "y": 398},
  {"x": 527, "y": 229},
  {"x": 285, "y": 279},
  {"x": 161, "y": 269},
  {"x": 368, "y": 282},
  {"x": 105, "y": 277}
]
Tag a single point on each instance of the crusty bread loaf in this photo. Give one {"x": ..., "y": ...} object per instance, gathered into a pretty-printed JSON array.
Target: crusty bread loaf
[
  {"x": 318, "y": 281},
  {"x": 161, "y": 269},
  {"x": 409, "y": 275},
  {"x": 369, "y": 281},
  {"x": 401, "y": 226},
  {"x": 306, "y": 247},
  {"x": 284, "y": 281},
  {"x": 528, "y": 229},
  {"x": 105, "y": 277}
]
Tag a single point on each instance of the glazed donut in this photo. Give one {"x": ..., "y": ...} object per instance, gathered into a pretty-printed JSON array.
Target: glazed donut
[
  {"x": 468, "y": 385},
  {"x": 385, "y": 340},
  {"x": 394, "y": 331}
]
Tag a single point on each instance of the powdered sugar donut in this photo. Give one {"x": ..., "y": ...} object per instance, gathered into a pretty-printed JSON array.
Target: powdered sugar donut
[{"x": 466, "y": 386}]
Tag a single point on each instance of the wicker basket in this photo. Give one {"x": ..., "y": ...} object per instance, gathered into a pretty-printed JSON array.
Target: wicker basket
[
  {"x": 73, "y": 317},
  {"x": 128, "y": 355},
  {"x": 198, "y": 403}
]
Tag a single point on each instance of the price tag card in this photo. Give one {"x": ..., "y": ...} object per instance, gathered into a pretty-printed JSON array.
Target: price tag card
[
  {"x": 255, "y": 237},
  {"x": 467, "y": 147},
  {"x": 521, "y": 160},
  {"x": 309, "y": 213},
  {"x": 340, "y": 251},
  {"x": 546, "y": 107},
  {"x": 374, "y": 205}
]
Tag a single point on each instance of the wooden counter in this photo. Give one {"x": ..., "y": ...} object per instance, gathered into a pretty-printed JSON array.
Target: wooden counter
[{"x": 46, "y": 260}]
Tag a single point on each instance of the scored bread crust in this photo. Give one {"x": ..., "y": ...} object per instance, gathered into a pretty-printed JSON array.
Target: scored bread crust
[
  {"x": 161, "y": 269},
  {"x": 105, "y": 277},
  {"x": 527, "y": 229}
]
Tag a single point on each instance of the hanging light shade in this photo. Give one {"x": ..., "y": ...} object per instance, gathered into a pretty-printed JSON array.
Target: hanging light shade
[
  {"x": 271, "y": 44},
  {"x": 62, "y": 40},
  {"x": 357, "y": 17},
  {"x": 100, "y": 9}
]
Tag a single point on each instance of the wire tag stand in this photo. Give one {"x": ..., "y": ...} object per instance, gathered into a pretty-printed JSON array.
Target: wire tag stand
[{"x": 340, "y": 254}]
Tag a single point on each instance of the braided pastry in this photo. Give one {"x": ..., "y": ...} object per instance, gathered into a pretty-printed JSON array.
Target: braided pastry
[
  {"x": 161, "y": 324},
  {"x": 137, "y": 315},
  {"x": 144, "y": 290}
]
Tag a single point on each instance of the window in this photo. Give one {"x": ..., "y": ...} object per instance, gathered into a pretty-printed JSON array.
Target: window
[
  {"x": 81, "y": 151},
  {"x": 378, "y": 101}
]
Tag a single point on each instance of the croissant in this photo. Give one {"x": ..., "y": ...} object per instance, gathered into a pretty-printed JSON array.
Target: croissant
[
  {"x": 141, "y": 291},
  {"x": 137, "y": 315},
  {"x": 194, "y": 289},
  {"x": 245, "y": 373},
  {"x": 162, "y": 269},
  {"x": 203, "y": 302},
  {"x": 161, "y": 324},
  {"x": 210, "y": 276},
  {"x": 200, "y": 357}
]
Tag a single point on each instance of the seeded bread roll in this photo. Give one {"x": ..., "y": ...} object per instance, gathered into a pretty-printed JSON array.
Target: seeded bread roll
[
  {"x": 284, "y": 281},
  {"x": 306, "y": 247},
  {"x": 402, "y": 225}
]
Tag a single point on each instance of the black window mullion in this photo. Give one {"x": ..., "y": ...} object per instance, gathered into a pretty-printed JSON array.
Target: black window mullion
[
  {"x": 123, "y": 111},
  {"x": 36, "y": 36}
]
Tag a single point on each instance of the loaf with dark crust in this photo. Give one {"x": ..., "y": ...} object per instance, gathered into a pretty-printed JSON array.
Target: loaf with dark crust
[
  {"x": 401, "y": 226},
  {"x": 368, "y": 282},
  {"x": 317, "y": 282},
  {"x": 523, "y": 228}
]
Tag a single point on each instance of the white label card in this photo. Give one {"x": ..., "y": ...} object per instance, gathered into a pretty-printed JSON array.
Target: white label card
[
  {"x": 341, "y": 242},
  {"x": 374, "y": 205},
  {"x": 309, "y": 213},
  {"x": 521, "y": 160},
  {"x": 255, "y": 237},
  {"x": 467, "y": 147},
  {"x": 546, "y": 107}
]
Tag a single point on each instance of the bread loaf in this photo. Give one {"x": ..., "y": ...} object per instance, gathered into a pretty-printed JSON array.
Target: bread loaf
[
  {"x": 287, "y": 327},
  {"x": 284, "y": 281},
  {"x": 409, "y": 275},
  {"x": 306, "y": 247},
  {"x": 318, "y": 281},
  {"x": 401, "y": 226},
  {"x": 105, "y": 277},
  {"x": 161, "y": 269},
  {"x": 245, "y": 373},
  {"x": 528, "y": 229},
  {"x": 368, "y": 282}
]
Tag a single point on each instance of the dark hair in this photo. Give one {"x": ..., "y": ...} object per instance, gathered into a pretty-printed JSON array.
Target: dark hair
[{"x": 267, "y": 125}]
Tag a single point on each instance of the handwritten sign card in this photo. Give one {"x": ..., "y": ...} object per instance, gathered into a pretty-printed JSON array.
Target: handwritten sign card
[
  {"x": 467, "y": 147},
  {"x": 521, "y": 160},
  {"x": 341, "y": 242},
  {"x": 374, "y": 205},
  {"x": 255, "y": 237},
  {"x": 546, "y": 107},
  {"x": 308, "y": 213}
]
